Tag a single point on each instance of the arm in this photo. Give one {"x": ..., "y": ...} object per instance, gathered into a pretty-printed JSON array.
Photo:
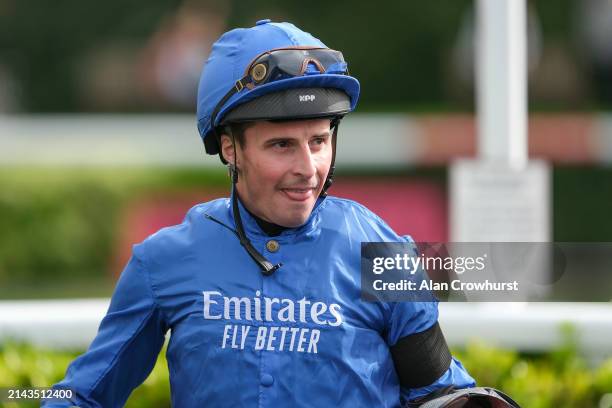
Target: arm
[
  {"x": 430, "y": 377},
  {"x": 126, "y": 347},
  {"x": 420, "y": 354}
]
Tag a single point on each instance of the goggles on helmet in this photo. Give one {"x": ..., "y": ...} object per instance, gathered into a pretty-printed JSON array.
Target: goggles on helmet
[
  {"x": 290, "y": 62},
  {"x": 285, "y": 63}
]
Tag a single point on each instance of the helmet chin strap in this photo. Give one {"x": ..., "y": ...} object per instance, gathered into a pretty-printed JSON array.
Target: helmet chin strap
[
  {"x": 266, "y": 267},
  {"x": 330, "y": 175}
]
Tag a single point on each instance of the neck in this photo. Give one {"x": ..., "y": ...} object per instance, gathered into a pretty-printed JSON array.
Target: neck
[{"x": 269, "y": 228}]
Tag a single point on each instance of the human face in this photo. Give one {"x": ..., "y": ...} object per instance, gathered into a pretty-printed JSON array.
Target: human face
[{"x": 282, "y": 168}]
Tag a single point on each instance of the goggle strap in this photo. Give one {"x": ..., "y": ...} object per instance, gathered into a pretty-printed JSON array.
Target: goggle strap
[
  {"x": 238, "y": 86},
  {"x": 242, "y": 82}
]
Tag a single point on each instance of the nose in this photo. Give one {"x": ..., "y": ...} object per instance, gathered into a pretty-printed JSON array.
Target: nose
[{"x": 305, "y": 164}]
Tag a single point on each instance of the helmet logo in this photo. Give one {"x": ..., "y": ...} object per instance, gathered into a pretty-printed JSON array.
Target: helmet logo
[{"x": 307, "y": 98}]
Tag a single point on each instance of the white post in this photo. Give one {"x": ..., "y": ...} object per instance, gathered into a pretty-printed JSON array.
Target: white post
[
  {"x": 502, "y": 82},
  {"x": 502, "y": 196}
]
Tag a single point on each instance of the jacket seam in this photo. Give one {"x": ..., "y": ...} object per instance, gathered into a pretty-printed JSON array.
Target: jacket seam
[
  {"x": 150, "y": 285},
  {"x": 121, "y": 350},
  {"x": 129, "y": 342}
]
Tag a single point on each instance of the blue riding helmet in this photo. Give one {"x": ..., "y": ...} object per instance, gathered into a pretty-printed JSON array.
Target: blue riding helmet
[{"x": 225, "y": 83}]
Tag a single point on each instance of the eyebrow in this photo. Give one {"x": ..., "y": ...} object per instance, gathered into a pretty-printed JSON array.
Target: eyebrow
[
  {"x": 326, "y": 133},
  {"x": 277, "y": 139}
]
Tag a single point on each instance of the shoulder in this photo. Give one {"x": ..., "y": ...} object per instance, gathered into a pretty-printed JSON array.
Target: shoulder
[
  {"x": 359, "y": 218},
  {"x": 175, "y": 240},
  {"x": 353, "y": 207}
]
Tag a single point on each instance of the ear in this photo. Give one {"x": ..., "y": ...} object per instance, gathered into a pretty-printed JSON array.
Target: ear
[{"x": 227, "y": 148}]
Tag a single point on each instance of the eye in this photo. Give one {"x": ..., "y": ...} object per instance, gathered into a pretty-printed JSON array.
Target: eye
[
  {"x": 318, "y": 141},
  {"x": 281, "y": 143}
]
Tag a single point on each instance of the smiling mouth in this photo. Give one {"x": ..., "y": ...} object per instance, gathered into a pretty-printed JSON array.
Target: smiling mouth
[{"x": 298, "y": 194}]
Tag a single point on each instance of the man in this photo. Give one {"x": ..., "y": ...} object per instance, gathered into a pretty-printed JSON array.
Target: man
[{"x": 261, "y": 291}]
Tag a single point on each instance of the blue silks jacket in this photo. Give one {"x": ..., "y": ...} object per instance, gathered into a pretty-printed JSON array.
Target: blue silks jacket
[{"x": 300, "y": 337}]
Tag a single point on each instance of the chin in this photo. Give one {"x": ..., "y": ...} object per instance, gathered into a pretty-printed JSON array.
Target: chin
[
  {"x": 295, "y": 221},
  {"x": 294, "y": 215}
]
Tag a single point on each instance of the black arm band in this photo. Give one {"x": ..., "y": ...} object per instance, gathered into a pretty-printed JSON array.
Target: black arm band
[{"x": 421, "y": 358}]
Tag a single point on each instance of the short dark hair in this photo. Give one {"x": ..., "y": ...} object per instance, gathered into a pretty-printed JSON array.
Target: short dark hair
[{"x": 237, "y": 130}]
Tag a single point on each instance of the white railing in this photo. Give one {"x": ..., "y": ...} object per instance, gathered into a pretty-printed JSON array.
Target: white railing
[
  {"x": 172, "y": 139},
  {"x": 521, "y": 326}
]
